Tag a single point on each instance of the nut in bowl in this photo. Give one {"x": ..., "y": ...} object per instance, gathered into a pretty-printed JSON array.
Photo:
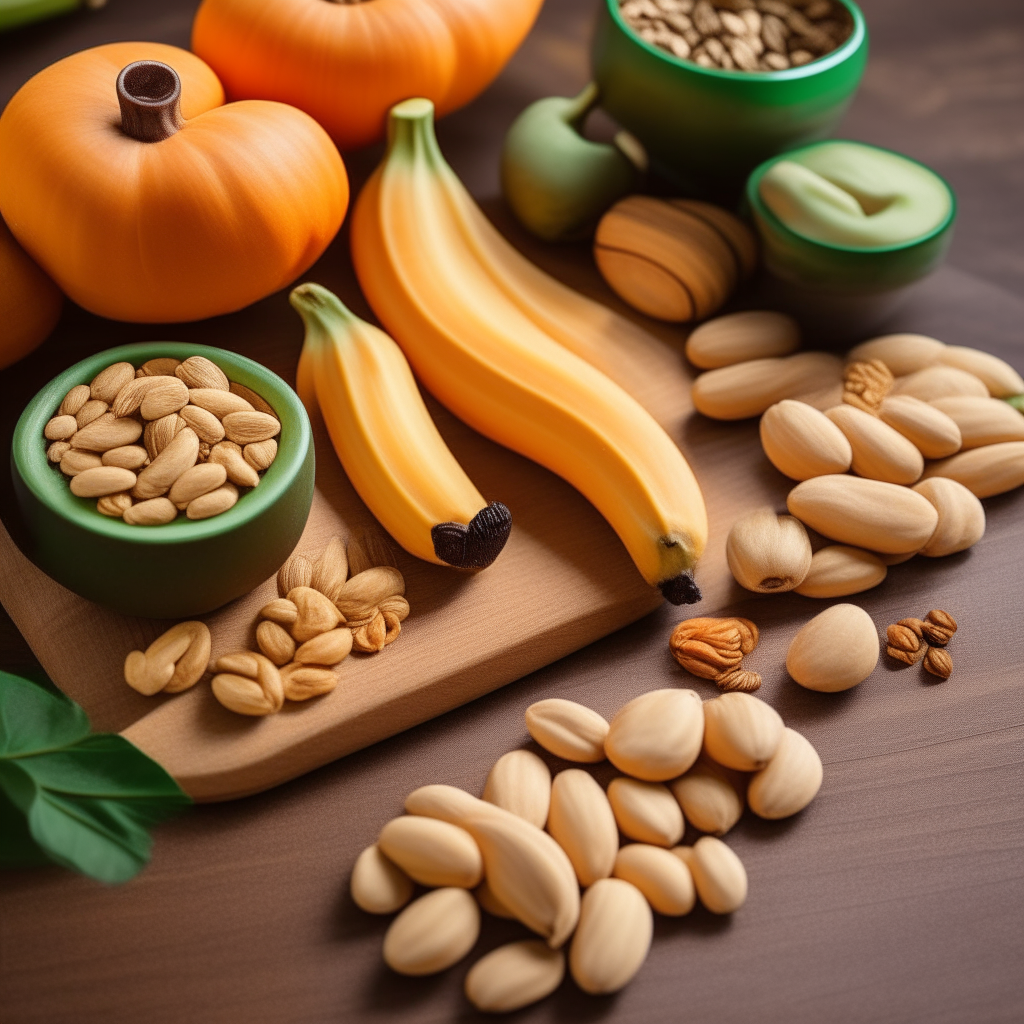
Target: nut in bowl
[{"x": 178, "y": 568}]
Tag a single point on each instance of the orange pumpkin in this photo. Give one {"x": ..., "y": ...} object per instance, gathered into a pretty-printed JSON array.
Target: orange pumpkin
[
  {"x": 143, "y": 211},
  {"x": 30, "y": 302},
  {"x": 347, "y": 64}
]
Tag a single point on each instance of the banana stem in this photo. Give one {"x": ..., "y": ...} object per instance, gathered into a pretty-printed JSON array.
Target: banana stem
[
  {"x": 581, "y": 105},
  {"x": 477, "y": 545}
]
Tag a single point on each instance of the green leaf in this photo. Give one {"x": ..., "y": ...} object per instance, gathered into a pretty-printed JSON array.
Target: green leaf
[
  {"x": 1017, "y": 401},
  {"x": 33, "y": 719},
  {"x": 17, "y": 847}
]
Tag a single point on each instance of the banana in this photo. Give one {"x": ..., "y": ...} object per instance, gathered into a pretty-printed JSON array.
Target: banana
[
  {"x": 495, "y": 367},
  {"x": 386, "y": 440}
]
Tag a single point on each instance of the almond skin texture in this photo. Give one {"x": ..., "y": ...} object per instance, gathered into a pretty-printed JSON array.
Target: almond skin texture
[
  {"x": 179, "y": 455},
  {"x": 196, "y": 481},
  {"x": 661, "y": 876},
  {"x": 657, "y": 736},
  {"x": 60, "y": 428},
  {"x": 275, "y": 642},
  {"x": 836, "y": 650},
  {"x": 789, "y": 782},
  {"x": 432, "y": 852},
  {"x": 568, "y": 730},
  {"x": 987, "y": 471},
  {"x": 961, "y": 516},
  {"x": 802, "y": 442},
  {"x": 101, "y": 480},
  {"x": 939, "y": 382},
  {"x": 74, "y": 400},
  {"x": 879, "y": 451},
  {"x": 741, "y": 731},
  {"x": 838, "y": 570},
  {"x": 200, "y": 372},
  {"x": 711, "y": 797},
  {"x": 520, "y": 782},
  {"x": 646, "y": 811},
  {"x": 1001, "y": 379},
  {"x": 718, "y": 874},
  {"x": 152, "y": 512},
  {"x": 248, "y": 427},
  {"x": 489, "y": 902},
  {"x": 213, "y": 503},
  {"x": 105, "y": 433},
  {"x": 129, "y": 456},
  {"x": 75, "y": 462},
  {"x": 433, "y": 933},
  {"x": 740, "y": 337},
  {"x": 902, "y": 353},
  {"x": 583, "y": 824},
  {"x": 330, "y": 648},
  {"x": 106, "y": 384},
  {"x": 929, "y": 429},
  {"x": 513, "y": 976},
  {"x": 378, "y": 885},
  {"x": 863, "y": 513},
  {"x": 204, "y": 423},
  {"x": 449, "y": 803},
  {"x": 982, "y": 421},
  {"x": 613, "y": 937},
  {"x": 768, "y": 553},
  {"x": 220, "y": 402}
]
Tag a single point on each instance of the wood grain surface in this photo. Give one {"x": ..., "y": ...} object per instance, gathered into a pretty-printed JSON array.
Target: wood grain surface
[{"x": 896, "y": 897}]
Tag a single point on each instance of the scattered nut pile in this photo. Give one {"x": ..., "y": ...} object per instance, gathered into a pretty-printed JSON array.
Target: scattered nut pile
[
  {"x": 203, "y": 437},
  {"x": 910, "y": 640},
  {"x": 741, "y": 35},
  {"x": 714, "y": 649},
  {"x": 892, "y": 451},
  {"x": 322, "y": 614},
  {"x": 682, "y": 761}
]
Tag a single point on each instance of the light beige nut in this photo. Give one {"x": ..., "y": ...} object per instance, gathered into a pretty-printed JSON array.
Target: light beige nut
[
  {"x": 718, "y": 874},
  {"x": 260, "y": 454},
  {"x": 302, "y": 682},
  {"x": 173, "y": 662},
  {"x": 740, "y": 337},
  {"x": 961, "y": 516},
  {"x": 316, "y": 613},
  {"x": 378, "y": 885},
  {"x": 449, "y": 803},
  {"x": 330, "y": 569},
  {"x": 248, "y": 685},
  {"x": 657, "y": 735},
  {"x": 709, "y": 647},
  {"x": 789, "y": 782},
  {"x": 768, "y": 553},
  {"x": 711, "y": 796},
  {"x": 869, "y": 514},
  {"x": 128, "y": 456},
  {"x": 865, "y": 384},
  {"x": 114, "y": 505},
  {"x": 930, "y": 430},
  {"x": 200, "y": 372},
  {"x": 360, "y": 596},
  {"x": 74, "y": 400},
  {"x": 939, "y": 382},
  {"x": 613, "y": 937},
  {"x": 229, "y": 455},
  {"x": 257, "y": 402},
  {"x": 275, "y": 642},
  {"x": 192, "y": 665},
  {"x": 330, "y": 648},
  {"x": 646, "y": 811},
  {"x": 1001, "y": 379},
  {"x": 489, "y": 902},
  {"x": 374, "y": 634},
  {"x": 741, "y": 731},
  {"x": 367, "y": 549},
  {"x": 583, "y": 824},
  {"x": 106, "y": 384},
  {"x": 75, "y": 462},
  {"x": 839, "y": 570},
  {"x": 220, "y": 403},
  {"x": 432, "y": 852},
  {"x": 57, "y": 450},
  {"x": 982, "y": 421},
  {"x": 129, "y": 398},
  {"x": 193, "y": 482},
  {"x": 432, "y": 933},
  {"x": 159, "y": 433},
  {"x": 92, "y": 410},
  {"x": 748, "y": 389},
  {"x": 802, "y": 442},
  {"x": 567, "y": 729},
  {"x": 938, "y": 662},
  {"x": 836, "y": 650},
  {"x": 100, "y": 480},
  {"x": 879, "y": 451},
  {"x": 207, "y": 427},
  {"x": 60, "y": 428},
  {"x": 528, "y": 871},
  {"x": 985, "y": 472},
  {"x": 179, "y": 455},
  {"x": 513, "y": 976},
  {"x": 213, "y": 503},
  {"x": 739, "y": 680},
  {"x": 520, "y": 782},
  {"x": 105, "y": 433},
  {"x": 902, "y": 353},
  {"x": 247, "y": 427},
  {"x": 162, "y": 366},
  {"x": 151, "y": 512},
  {"x": 296, "y": 572},
  {"x": 280, "y": 610},
  {"x": 662, "y": 877}
]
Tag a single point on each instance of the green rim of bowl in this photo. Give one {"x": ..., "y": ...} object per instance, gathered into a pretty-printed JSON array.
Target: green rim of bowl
[
  {"x": 814, "y": 67},
  {"x": 761, "y": 209},
  {"x": 50, "y": 486}
]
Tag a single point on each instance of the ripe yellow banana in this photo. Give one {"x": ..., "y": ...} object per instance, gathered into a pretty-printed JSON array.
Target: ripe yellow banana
[
  {"x": 495, "y": 367},
  {"x": 386, "y": 440}
]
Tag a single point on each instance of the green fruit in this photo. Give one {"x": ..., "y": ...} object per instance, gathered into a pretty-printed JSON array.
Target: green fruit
[
  {"x": 20, "y": 12},
  {"x": 557, "y": 182}
]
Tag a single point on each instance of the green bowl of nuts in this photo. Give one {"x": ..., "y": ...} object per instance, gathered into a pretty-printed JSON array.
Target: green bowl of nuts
[
  {"x": 163, "y": 479},
  {"x": 713, "y": 88}
]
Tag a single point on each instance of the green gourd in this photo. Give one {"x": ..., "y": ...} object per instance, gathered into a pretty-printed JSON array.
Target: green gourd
[
  {"x": 557, "y": 182},
  {"x": 20, "y": 12}
]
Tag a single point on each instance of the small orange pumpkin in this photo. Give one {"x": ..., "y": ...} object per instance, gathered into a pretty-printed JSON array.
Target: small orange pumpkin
[
  {"x": 146, "y": 199},
  {"x": 30, "y": 303},
  {"x": 347, "y": 64}
]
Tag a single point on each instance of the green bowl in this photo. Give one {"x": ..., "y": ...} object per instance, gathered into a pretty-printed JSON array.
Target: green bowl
[
  {"x": 183, "y": 568},
  {"x": 706, "y": 128}
]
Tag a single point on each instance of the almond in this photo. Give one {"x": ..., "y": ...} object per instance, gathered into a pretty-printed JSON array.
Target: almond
[
  {"x": 114, "y": 505},
  {"x": 179, "y": 455},
  {"x": 296, "y": 572},
  {"x": 432, "y": 933},
  {"x": 789, "y": 782},
  {"x": 128, "y": 456},
  {"x": 57, "y": 450},
  {"x": 200, "y": 372},
  {"x": 129, "y": 398},
  {"x": 260, "y": 454},
  {"x": 316, "y": 613},
  {"x": 161, "y": 432},
  {"x": 838, "y": 571},
  {"x": 802, "y": 442},
  {"x": 74, "y": 400},
  {"x": 879, "y": 451},
  {"x": 718, "y": 874},
  {"x": 449, "y": 803},
  {"x": 1001, "y": 379},
  {"x": 360, "y": 596},
  {"x": 987, "y": 471},
  {"x": 60, "y": 428},
  {"x": 301, "y": 682},
  {"x": 378, "y": 885},
  {"x": 768, "y": 553},
  {"x": 92, "y": 410},
  {"x": 662, "y": 877},
  {"x": 75, "y": 462},
  {"x": 646, "y": 811},
  {"x": 711, "y": 797},
  {"x": 741, "y": 731},
  {"x": 520, "y": 782},
  {"x": 330, "y": 570},
  {"x": 213, "y": 503},
  {"x": 657, "y": 735},
  {"x": 101, "y": 480},
  {"x": 162, "y": 366},
  {"x": 229, "y": 455},
  {"x": 740, "y": 337},
  {"x": 150, "y": 671},
  {"x": 220, "y": 403},
  {"x": 106, "y": 384},
  {"x": 931, "y": 431},
  {"x": 939, "y": 382},
  {"x": 275, "y": 642},
  {"x": 280, "y": 610},
  {"x": 207, "y": 427},
  {"x": 248, "y": 427},
  {"x": 613, "y": 936},
  {"x": 432, "y": 852},
  {"x": 329, "y": 648},
  {"x": 255, "y": 401},
  {"x": 191, "y": 666},
  {"x": 567, "y": 729},
  {"x": 513, "y": 976},
  {"x": 105, "y": 433},
  {"x": 961, "y": 516},
  {"x": 196, "y": 481},
  {"x": 836, "y": 650},
  {"x": 902, "y": 353},
  {"x": 489, "y": 902},
  {"x": 152, "y": 512},
  {"x": 982, "y": 421},
  {"x": 582, "y": 822},
  {"x": 259, "y": 693}
]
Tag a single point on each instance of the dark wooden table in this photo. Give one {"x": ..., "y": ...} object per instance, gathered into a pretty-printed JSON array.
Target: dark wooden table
[{"x": 897, "y": 897}]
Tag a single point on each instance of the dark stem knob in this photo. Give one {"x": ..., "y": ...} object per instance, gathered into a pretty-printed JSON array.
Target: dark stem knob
[{"x": 150, "y": 96}]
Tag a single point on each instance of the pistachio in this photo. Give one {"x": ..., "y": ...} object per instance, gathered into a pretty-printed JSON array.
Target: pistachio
[
  {"x": 656, "y": 736},
  {"x": 836, "y": 650},
  {"x": 378, "y": 885},
  {"x": 740, "y": 337},
  {"x": 567, "y": 729},
  {"x": 939, "y": 382},
  {"x": 718, "y": 874},
  {"x": 646, "y": 811},
  {"x": 583, "y": 824},
  {"x": 982, "y": 421},
  {"x": 790, "y": 780},
  {"x": 802, "y": 442},
  {"x": 987, "y": 471},
  {"x": 903, "y": 354},
  {"x": 432, "y": 852},
  {"x": 961, "y": 516},
  {"x": 838, "y": 570},
  {"x": 520, "y": 782},
  {"x": 930, "y": 430},
  {"x": 513, "y": 976},
  {"x": 710, "y": 796},
  {"x": 662, "y": 877},
  {"x": 768, "y": 553},
  {"x": 432, "y": 933},
  {"x": 879, "y": 451},
  {"x": 740, "y": 731},
  {"x": 613, "y": 936}
]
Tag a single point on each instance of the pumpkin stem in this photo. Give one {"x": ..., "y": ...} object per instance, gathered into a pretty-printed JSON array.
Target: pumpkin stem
[{"x": 150, "y": 97}]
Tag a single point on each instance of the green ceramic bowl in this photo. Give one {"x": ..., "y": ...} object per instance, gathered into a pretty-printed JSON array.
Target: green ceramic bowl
[
  {"x": 183, "y": 568},
  {"x": 707, "y": 128}
]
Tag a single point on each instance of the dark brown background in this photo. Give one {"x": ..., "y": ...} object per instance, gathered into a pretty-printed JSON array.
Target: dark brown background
[{"x": 896, "y": 897}]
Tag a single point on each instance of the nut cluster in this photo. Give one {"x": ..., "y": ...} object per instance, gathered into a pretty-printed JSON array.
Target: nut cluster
[
  {"x": 911, "y": 639},
  {"x": 865, "y": 385},
  {"x": 714, "y": 649},
  {"x": 166, "y": 438},
  {"x": 740, "y": 35}
]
